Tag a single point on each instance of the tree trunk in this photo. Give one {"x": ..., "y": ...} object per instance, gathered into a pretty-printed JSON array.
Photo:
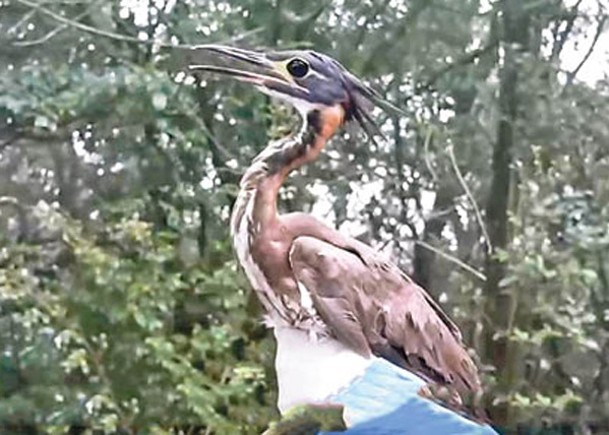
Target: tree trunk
[{"x": 501, "y": 302}]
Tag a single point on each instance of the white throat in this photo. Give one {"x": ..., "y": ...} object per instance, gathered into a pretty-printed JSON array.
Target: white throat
[{"x": 310, "y": 370}]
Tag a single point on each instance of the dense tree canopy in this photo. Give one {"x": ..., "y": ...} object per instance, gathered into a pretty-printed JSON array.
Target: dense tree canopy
[{"x": 121, "y": 306}]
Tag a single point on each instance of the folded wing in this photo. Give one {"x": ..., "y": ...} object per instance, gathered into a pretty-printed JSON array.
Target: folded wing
[{"x": 375, "y": 309}]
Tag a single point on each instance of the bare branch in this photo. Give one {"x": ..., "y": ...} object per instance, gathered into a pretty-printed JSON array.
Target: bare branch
[
  {"x": 190, "y": 114},
  {"x": 453, "y": 259},
  {"x": 117, "y": 36},
  {"x": 19, "y": 23},
  {"x": 10, "y": 200},
  {"x": 599, "y": 31},
  {"x": 51, "y": 34},
  {"x": 470, "y": 197},
  {"x": 465, "y": 60},
  {"x": 78, "y": 25},
  {"x": 426, "y": 144},
  {"x": 561, "y": 37}
]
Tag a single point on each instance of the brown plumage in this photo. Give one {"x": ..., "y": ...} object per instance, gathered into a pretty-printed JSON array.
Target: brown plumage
[
  {"x": 356, "y": 296},
  {"x": 374, "y": 307}
]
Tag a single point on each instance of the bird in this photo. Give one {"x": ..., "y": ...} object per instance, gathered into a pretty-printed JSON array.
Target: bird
[{"x": 351, "y": 327}]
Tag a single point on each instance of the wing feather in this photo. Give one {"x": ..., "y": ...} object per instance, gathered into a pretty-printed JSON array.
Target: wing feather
[{"x": 374, "y": 308}]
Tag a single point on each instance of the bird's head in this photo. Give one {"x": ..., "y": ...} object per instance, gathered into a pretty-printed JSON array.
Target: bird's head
[{"x": 309, "y": 81}]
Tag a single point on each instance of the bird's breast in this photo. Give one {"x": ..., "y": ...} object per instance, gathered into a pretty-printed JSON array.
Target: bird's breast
[{"x": 262, "y": 248}]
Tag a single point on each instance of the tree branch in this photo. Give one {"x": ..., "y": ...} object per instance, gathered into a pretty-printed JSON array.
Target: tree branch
[
  {"x": 117, "y": 36},
  {"x": 470, "y": 197},
  {"x": 19, "y": 23},
  {"x": 453, "y": 259},
  {"x": 50, "y": 34},
  {"x": 562, "y": 36},
  {"x": 465, "y": 60},
  {"x": 432, "y": 172},
  {"x": 599, "y": 31}
]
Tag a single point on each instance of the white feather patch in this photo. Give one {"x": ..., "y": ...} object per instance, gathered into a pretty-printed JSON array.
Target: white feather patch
[
  {"x": 310, "y": 371},
  {"x": 306, "y": 301},
  {"x": 242, "y": 246}
]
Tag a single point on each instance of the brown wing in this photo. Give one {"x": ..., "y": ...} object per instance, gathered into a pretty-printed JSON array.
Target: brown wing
[{"x": 374, "y": 308}]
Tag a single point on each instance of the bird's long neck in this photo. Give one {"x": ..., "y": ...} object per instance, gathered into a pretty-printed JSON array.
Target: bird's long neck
[{"x": 261, "y": 182}]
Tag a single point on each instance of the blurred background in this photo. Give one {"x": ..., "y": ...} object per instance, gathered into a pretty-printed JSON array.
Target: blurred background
[{"x": 121, "y": 306}]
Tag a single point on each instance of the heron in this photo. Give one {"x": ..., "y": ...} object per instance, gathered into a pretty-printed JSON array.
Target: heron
[{"x": 338, "y": 308}]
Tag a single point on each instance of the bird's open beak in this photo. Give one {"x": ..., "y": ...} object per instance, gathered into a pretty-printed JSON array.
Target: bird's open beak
[{"x": 249, "y": 67}]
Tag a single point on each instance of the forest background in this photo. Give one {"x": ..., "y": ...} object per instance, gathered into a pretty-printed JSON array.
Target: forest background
[{"x": 121, "y": 306}]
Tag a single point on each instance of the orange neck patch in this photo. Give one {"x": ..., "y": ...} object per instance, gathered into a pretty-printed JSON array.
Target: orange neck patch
[{"x": 330, "y": 120}]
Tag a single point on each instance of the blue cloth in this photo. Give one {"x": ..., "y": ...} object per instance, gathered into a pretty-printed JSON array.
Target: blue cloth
[{"x": 385, "y": 400}]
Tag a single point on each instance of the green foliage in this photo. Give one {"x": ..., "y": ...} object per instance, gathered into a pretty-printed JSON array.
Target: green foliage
[
  {"x": 102, "y": 342},
  {"x": 309, "y": 419},
  {"x": 121, "y": 307}
]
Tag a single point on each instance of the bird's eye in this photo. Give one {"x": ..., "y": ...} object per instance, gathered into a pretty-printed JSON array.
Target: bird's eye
[{"x": 298, "y": 68}]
